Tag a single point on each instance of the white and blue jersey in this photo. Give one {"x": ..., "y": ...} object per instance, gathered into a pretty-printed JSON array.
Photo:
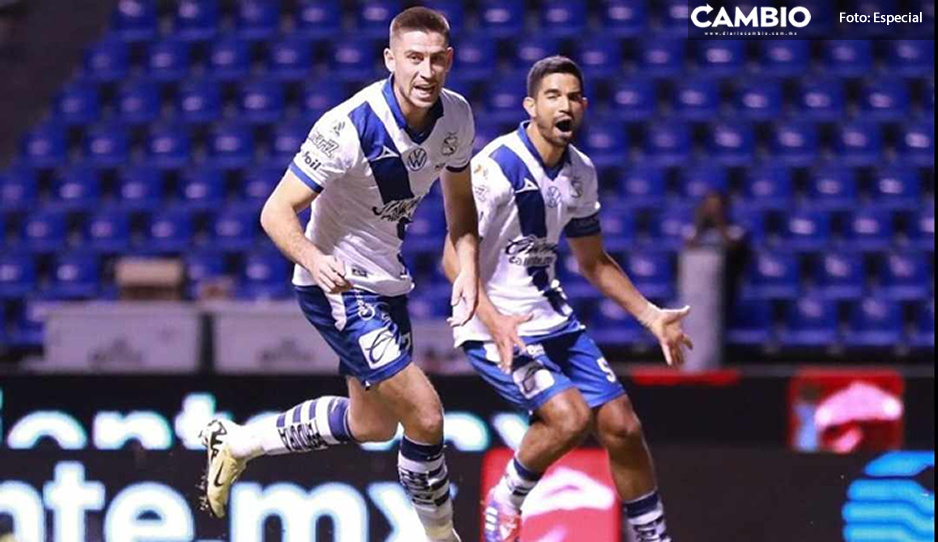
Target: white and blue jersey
[{"x": 371, "y": 171}]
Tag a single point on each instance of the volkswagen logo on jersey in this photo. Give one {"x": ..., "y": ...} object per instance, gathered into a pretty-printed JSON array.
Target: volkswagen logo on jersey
[
  {"x": 552, "y": 198},
  {"x": 416, "y": 159}
]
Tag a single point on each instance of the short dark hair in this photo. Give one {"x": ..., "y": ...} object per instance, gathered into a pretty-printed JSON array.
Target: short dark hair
[
  {"x": 421, "y": 19},
  {"x": 550, "y": 65}
]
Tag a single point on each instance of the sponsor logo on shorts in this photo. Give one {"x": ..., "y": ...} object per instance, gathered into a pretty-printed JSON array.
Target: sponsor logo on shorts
[{"x": 383, "y": 345}]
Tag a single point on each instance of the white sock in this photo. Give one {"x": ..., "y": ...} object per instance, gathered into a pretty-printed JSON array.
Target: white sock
[
  {"x": 646, "y": 518},
  {"x": 516, "y": 484},
  {"x": 309, "y": 426},
  {"x": 423, "y": 474}
]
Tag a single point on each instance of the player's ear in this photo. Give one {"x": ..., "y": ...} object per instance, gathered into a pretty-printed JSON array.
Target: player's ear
[
  {"x": 389, "y": 59},
  {"x": 529, "y": 105}
]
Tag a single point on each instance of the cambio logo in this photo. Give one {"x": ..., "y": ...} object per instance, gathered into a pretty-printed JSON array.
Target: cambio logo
[{"x": 757, "y": 17}]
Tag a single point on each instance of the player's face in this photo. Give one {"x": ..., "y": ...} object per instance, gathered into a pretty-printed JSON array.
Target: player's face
[
  {"x": 420, "y": 62},
  {"x": 557, "y": 110}
]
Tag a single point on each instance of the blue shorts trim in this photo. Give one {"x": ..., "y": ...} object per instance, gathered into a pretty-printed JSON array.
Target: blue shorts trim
[{"x": 370, "y": 333}]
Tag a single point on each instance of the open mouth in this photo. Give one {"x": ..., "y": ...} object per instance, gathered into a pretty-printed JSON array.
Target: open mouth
[
  {"x": 425, "y": 89},
  {"x": 564, "y": 125}
]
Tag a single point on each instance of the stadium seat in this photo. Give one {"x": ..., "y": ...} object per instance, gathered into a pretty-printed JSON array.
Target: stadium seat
[
  {"x": 290, "y": 59},
  {"x": 168, "y": 60},
  {"x": 606, "y": 143},
  {"x": 44, "y": 231},
  {"x": 197, "y": 20},
  {"x": 427, "y": 229},
  {"x": 916, "y": 144},
  {"x": 234, "y": 229},
  {"x": 859, "y": 143},
  {"x": 529, "y": 49},
  {"x": 771, "y": 276},
  {"x": 17, "y": 275},
  {"x": 905, "y": 277},
  {"x": 231, "y": 145},
  {"x": 264, "y": 275},
  {"x": 699, "y": 180},
  {"x": 869, "y": 229},
  {"x": 353, "y": 59},
  {"x": 562, "y": 18},
  {"x": 731, "y": 143},
  {"x": 135, "y": 20},
  {"x": 106, "y": 145},
  {"x": 634, "y": 99},
  {"x": 753, "y": 222},
  {"x": 107, "y": 61},
  {"x": 624, "y": 18},
  {"x": 199, "y": 101},
  {"x": 78, "y": 103},
  {"x": 611, "y": 324},
  {"x": 874, "y": 323},
  {"x": 286, "y": 138},
  {"x": 202, "y": 188},
  {"x": 257, "y": 19},
  {"x": 599, "y": 58},
  {"x": 573, "y": 283},
  {"x": 202, "y": 267},
  {"x": 897, "y": 188},
  {"x": 750, "y": 323},
  {"x": 662, "y": 57},
  {"x": 486, "y": 131},
  {"x": 808, "y": 230},
  {"x": 759, "y": 100},
  {"x": 885, "y": 99},
  {"x": 373, "y": 17},
  {"x": 140, "y": 188},
  {"x": 260, "y": 101},
  {"x": 923, "y": 333},
  {"x": 784, "y": 58},
  {"x": 915, "y": 58},
  {"x": 696, "y": 98},
  {"x": 500, "y": 18},
  {"x": 671, "y": 227},
  {"x": 840, "y": 275},
  {"x": 832, "y": 188},
  {"x": 138, "y": 101},
  {"x": 169, "y": 146},
  {"x": 720, "y": 57},
  {"x": 822, "y": 99},
  {"x": 318, "y": 18},
  {"x": 107, "y": 232},
  {"x": 667, "y": 144},
  {"x": 927, "y": 98},
  {"x": 317, "y": 99},
  {"x": 922, "y": 230},
  {"x": 643, "y": 185},
  {"x": 258, "y": 182},
  {"x": 504, "y": 98},
  {"x": 18, "y": 189},
  {"x": 28, "y": 328},
  {"x": 476, "y": 58},
  {"x": 674, "y": 17},
  {"x": 811, "y": 322},
  {"x": 74, "y": 276},
  {"x": 618, "y": 227},
  {"x": 768, "y": 187},
  {"x": 652, "y": 273},
  {"x": 229, "y": 59},
  {"x": 848, "y": 58},
  {"x": 44, "y": 146},
  {"x": 76, "y": 189},
  {"x": 168, "y": 231},
  {"x": 795, "y": 143},
  {"x": 453, "y": 10}
]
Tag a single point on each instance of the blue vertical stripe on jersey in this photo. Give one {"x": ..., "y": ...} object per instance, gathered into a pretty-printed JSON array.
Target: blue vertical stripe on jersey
[{"x": 381, "y": 152}]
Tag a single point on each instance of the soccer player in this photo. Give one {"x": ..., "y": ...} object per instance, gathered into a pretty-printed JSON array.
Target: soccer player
[
  {"x": 364, "y": 168},
  {"x": 531, "y": 186}
]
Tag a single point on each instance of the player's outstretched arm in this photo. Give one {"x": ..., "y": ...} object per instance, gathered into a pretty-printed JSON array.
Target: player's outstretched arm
[
  {"x": 278, "y": 218},
  {"x": 464, "y": 233},
  {"x": 605, "y": 274}
]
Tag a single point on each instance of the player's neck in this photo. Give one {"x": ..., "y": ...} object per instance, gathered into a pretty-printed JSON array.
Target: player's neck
[
  {"x": 551, "y": 155},
  {"x": 417, "y": 118}
]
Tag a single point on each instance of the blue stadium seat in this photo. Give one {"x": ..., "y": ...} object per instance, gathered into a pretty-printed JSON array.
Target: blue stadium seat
[
  {"x": 257, "y": 19},
  {"x": 453, "y": 10},
  {"x": 76, "y": 189},
  {"x": 807, "y": 230},
  {"x": 229, "y": 59},
  {"x": 106, "y": 145},
  {"x": 811, "y": 322},
  {"x": 721, "y": 57},
  {"x": 573, "y": 283},
  {"x": 916, "y": 144},
  {"x": 668, "y": 143},
  {"x": 19, "y": 190},
  {"x": 759, "y": 99},
  {"x": 257, "y": 183},
  {"x": 138, "y": 101},
  {"x": 771, "y": 275},
  {"x": 202, "y": 188},
  {"x": 528, "y": 49},
  {"x": 74, "y": 276},
  {"x": 501, "y": 18},
  {"x": 848, "y": 58},
  {"x": 202, "y": 267},
  {"x": 840, "y": 275},
  {"x": 874, "y": 323},
  {"x": 107, "y": 232},
  {"x": 671, "y": 227},
  {"x": 634, "y": 99},
  {"x": 869, "y": 230},
  {"x": 562, "y": 18},
  {"x": 750, "y": 323},
  {"x": 922, "y": 230},
  {"x": 373, "y": 17},
  {"x": 624, "y": 18},
  {"x": 28, "y": 328},
  {"x": 169, "y": 146},
  {"x": 318, "y": 98},
  {"x": 140, "y": 188},
  {"x": 914, "y": 58},
  {"x": 428, "y": 228},
  {"x": 199, "y": 101},
  {"x": 699, "y": 180},
  {"x": 318, "y": 18},
  {"x": 674, "y": 17},
  {"x": 17, "y": 275},
  {"x": 652, "y": 273},
  {"x": 78, "y": 103},
  {"x": 607, "y": 142},
  {"x": 231, "y": 145},
  {"x": 290, "y": 59},
  {"x": 768, "y": 187},
  {"x": 504, "y": 98},
  {"x": 795, "y": 143},
  {"x": 885, "y": 99},
  {"x": 44, "y": 231},
  {"x": 486, "y": 131},
  {"x": 662, "y": 57},
  {"x": 476, "y": 58},
  {"x": 897, "y": 188},
  {"x": 784, "y": 58},
  {"x": 696, "y": 98},
  {"x": 618, "y": 226},
  {"x": 643, "y": 185},
  {"x": 611, "y": 324},
  {"x": 197, "y": 20},
  {"x": 286, "y": 138},
  {"x": 234, "y": 229},
  {"x": 859, "y": 143},
  {"x": 821, "y": 99},
  {"x": 264, "y": 275},
  {"x": 353, "y": 58},
  {"x": 168, "y": 231},
  {"x": 923, "y": 334},
  {"x": 260, "y": 101},
  {"x": 905, "y": 276},
  {"x": 731, "y": 143},
  {"x": 168, "y": 60},
  {"x": 753, "y": 222},
  {"x": 928, "y": 97},
  {"x": 135, "y": 20},
  {"x": 107, "y": 61},
  {"x": 832, "y": 188},
  {"x": 44, "y": 146},
  {"x": 599, "y": 57}
]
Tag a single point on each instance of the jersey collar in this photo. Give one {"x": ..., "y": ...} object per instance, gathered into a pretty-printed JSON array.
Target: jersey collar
[
  {"x": 550, "y": 172},
  {"x": 436, "y": 112}
]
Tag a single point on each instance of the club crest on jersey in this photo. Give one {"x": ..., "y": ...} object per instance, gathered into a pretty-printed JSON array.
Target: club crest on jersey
[
  {"x": 450, "y": 144},
  {"x": 416, "y": 159},
  {"x": 576, "y": 187}
]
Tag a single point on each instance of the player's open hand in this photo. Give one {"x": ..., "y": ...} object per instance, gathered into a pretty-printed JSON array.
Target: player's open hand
[
  {"x": 504, "y": 330},
  {"x": 465, "y": 299},
  {"x": 666, "y": 326},
  {"x": 329, "y": 274}
]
